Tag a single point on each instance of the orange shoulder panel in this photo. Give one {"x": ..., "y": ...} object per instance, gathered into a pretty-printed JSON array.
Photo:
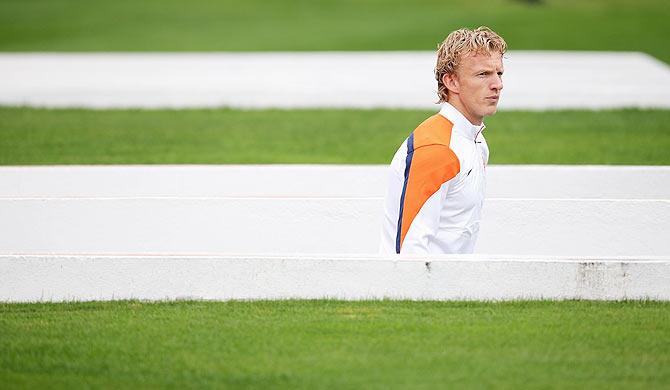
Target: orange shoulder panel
[
  {"x": 435, "y": 130},
  {"x": 433, "y": 163}
]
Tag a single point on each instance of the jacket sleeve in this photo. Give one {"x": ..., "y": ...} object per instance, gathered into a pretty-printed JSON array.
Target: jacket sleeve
[{"x": 431, "y": 171}]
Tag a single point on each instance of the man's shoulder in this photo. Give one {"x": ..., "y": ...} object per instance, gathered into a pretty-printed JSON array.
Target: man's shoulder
[
  {"x": 432, "y": 141},
  {"x": 428, "y": 145},
  {"x": 435, "y": 130}
]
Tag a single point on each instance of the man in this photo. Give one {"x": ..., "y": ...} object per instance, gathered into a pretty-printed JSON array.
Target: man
[{"x": 437, "y": 176}]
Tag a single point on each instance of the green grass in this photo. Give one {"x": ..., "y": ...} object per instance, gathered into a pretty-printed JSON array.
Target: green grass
[
  {"x": 335, "y": 344},
  {"x": 259, "y": 25},
  {"x": 218, "y": 136}
]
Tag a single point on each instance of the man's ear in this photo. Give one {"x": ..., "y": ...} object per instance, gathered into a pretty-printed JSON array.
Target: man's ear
[{"x": 451, "y": 82}]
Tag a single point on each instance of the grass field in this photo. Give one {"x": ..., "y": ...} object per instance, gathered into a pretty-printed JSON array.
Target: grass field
[
  {"x": 335, "y": 344},
  {"x": 41, "y": 136},
  {"x": 288, "y": 25}
]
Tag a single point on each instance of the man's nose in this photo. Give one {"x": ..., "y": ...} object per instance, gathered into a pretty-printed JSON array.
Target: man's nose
[{"x": 497, "y": 84}]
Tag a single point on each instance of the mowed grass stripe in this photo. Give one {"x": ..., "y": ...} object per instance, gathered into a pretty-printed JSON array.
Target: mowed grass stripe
[
  {"x": 303, "y": 25},
  {"x": 223, "y": 136},
  {"x": 335, "y": 344}
]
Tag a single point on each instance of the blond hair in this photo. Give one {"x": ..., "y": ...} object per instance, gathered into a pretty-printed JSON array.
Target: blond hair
[{"x": 459, "y": 44}]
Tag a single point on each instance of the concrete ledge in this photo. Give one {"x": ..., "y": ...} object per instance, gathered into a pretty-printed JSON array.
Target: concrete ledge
[{"x": 45, "y": 278}]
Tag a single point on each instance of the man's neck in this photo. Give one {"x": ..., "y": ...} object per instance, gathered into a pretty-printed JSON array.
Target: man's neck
[{"x": 455, "y": 101}]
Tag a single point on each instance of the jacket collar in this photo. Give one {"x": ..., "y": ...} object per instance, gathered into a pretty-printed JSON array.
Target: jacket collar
[{"x": 462, "y": 125}]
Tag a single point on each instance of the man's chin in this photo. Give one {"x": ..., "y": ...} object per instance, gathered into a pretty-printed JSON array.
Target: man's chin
[{"x": 491, "y": 111}]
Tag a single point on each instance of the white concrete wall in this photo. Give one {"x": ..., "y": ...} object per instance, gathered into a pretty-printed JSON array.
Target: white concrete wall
[
  {"x": 533, "y": 80},
  {"x": 85, "y": 233},
  {"x": 597, "y": 227},
  {"x": 504, "y": 181},
  {"x": 548, "y": 210},
  {"x": 194, "y": 181},
  {"x": 57, "y": 278}
]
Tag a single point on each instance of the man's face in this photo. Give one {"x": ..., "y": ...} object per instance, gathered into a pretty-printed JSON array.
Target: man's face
[{"x": 477, "y": 85}]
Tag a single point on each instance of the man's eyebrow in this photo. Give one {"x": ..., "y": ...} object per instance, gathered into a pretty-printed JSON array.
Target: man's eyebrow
[{"x": 488, "y": 70}]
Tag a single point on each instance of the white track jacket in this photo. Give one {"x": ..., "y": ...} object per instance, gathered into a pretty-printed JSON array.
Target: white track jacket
[{"x": 436, "y": 187}]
